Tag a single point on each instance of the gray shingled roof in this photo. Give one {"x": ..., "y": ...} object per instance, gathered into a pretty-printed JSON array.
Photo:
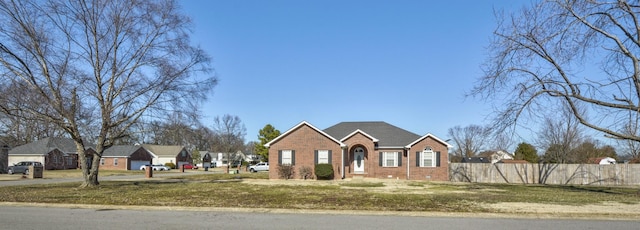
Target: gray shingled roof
[
  {"x": 120, "y": 151},
  {"x": 164, "y": 150},
  {"x": 45, "y": 146},
  {"x": 387, "y": 134}
]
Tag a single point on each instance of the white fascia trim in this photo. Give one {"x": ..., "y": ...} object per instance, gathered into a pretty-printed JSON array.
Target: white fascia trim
[
  {"x": 298, "y": 126},
  {"x": 152, "y": 154},
  {"x": 391, "y": 147},
  {"x": 362, "y": 132},
  {"x": 432, "y": 136}
]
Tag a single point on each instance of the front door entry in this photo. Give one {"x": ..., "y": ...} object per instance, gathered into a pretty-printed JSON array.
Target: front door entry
[{"x": 358, "y": 160}]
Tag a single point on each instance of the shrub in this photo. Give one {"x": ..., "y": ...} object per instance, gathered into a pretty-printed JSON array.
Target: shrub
[
  {"x": 324, "y": 171},
  {"x": 286, "y": 171},
  {"x": 170, "y": 165},
  {"x": 306, "y": 172}
]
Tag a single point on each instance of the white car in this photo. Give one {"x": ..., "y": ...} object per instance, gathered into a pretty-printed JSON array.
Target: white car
[
  {"x": 156, "y": 167},
  {"x": 264, "y": 166}
]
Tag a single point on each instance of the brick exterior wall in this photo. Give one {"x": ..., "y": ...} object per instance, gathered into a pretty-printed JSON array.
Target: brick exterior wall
[
  {"x": 108, "y": 163},
  {"x": 124, "y": 163},
  {"x": 440, "y": 173},
  {"x": 304, "y": 140},
  {"x": 56, "y": 160}
]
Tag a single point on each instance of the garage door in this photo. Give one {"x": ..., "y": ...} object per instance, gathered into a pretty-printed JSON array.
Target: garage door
[{"x": 135, "y": 165}]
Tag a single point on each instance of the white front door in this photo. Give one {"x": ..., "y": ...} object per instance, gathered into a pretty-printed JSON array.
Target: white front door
[{"x": 358, "y": 160}]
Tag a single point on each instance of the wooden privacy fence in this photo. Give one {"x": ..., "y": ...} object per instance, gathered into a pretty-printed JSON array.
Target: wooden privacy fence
[{"x": 583, "y": 174}]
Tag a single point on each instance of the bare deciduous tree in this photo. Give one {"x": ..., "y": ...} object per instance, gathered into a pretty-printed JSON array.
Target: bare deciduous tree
[
  {"x": 113, "y": 60},
  {"x": 559, "y": 136},
  {"x": 229, "y": 135},
  {"x": 583, "y": 54},
  {"x": 469, "y": 140}
]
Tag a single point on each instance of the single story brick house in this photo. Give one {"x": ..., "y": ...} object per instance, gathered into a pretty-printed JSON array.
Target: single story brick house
[
  {"x": 363, "y": 150},
  {"x": 52, "y": 152},
  {"x": 125, "y": 157},
  {"x": 175, "y": 154}
]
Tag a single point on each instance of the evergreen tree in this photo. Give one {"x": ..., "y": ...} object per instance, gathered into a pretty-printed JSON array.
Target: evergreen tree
[
  {"x": 266, "y": 134},
  {"x": 526, "y": 152}
]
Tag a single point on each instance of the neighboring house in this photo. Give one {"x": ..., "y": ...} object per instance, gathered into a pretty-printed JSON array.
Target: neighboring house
[
  {"x": 476, "y": 160},
  {"x": 125, "y": 157},
  {"x": 602, "y": 160},
  {"x": 361, "y": 149},
  {"x": 221, "y": 159},
  {"x": 175, "y": 154},
  {"x": 495, "y": 156},
  {"x": 53, "y": 152}
]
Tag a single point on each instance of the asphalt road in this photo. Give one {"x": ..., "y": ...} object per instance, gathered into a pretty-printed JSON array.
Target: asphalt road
[{"x": 12, "y": 217}]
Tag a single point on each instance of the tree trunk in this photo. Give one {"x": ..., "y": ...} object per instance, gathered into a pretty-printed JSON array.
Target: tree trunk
[{"x": 89, "y": 174}]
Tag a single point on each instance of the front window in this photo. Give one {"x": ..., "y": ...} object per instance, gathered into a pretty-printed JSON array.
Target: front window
[
  {"x": 286, "y": 157},
  {"x": 115, "y": 161},
  {"x": 323, "y": 156},
  {"x": 427, "y": 158},
  {"x": 390, "y": 159},
  {"x": 101, "y": 161}
]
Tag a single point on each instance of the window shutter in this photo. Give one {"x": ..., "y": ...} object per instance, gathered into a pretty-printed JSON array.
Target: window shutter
[
  {"x": 279, "y": 157},
  {"x": 380, "y": 161},
  {"x": 315, "y": 157},
  {"x": 418, "y": 159},
  {"x": 399, "y": 159},
  {"x": 293, "y": 157},
  {"x": 329, "y": 156},
  {"x": 438, "y": 159}
]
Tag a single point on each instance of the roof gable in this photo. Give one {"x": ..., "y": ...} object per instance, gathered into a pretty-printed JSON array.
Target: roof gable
[
  {"x": 44, "y": 146},
  {"x": 298, "y": 126},
  {"x": 361, "y": 132},
  {"x": 386, "y": 134},
  {"x": 120, "y": 151},
  {"x": 164, "y": 150},
  {"x": 426, "y": 136}
]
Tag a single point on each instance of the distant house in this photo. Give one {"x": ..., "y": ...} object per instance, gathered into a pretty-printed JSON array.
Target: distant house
[
  {"x": 52, "y": 152},
  {"x": 476, "y": 160},
  {"x": 495, "y": 156},
  {"x": 602, "y": 160},
  {"x": 125, "y": 157},
  {"x": 361, "y": 149},
  {"x": 221, "y": 158},
  {"x": 175, "y": 154}
]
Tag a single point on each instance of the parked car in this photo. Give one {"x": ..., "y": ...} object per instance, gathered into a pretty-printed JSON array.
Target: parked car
[
  {"x": 22, "y": 167},
  {"x": 189, "y": 166},
  {"x": 157, "y": 167},
  {"x": 264, "y": 166}
]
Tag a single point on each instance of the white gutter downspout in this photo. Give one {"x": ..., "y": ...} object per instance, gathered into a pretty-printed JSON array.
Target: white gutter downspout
[
  {"x": 408, "y": 163},
  {"x": 342, "y": 171}
]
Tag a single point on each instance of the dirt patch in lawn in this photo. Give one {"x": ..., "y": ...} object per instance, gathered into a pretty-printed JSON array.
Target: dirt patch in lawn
[{"x": 604, "y": 210}]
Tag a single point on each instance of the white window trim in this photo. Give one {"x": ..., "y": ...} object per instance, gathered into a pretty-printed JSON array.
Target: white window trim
[
  {"x": 115, "y": 161},
  {"x": 101, "y": 161},
  {"x": 323, "y": 156},
  {"x": 286, "y": 157},
  {"x": 385, "y": 158},
  {"x": 425, "y": 153}
]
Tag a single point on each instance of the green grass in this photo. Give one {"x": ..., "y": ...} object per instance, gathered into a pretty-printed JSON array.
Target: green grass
[{"x": 226, "y": 190}]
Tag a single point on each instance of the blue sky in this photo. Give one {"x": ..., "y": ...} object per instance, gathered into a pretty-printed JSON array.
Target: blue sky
[{"x": 408, "y": 63}]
